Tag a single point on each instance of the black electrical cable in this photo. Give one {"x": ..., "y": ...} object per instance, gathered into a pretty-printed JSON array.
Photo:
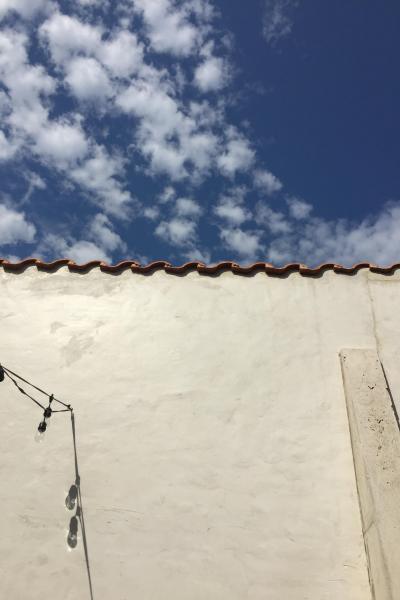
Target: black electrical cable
[
  {"x": 23, "y": 391},
  {"x": 47, "y": 410},
  {"x": 8, "y": 372}
]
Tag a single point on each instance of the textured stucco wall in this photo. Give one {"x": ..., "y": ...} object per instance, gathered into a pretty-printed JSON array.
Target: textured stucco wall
[{"x": 212, "y": 434}]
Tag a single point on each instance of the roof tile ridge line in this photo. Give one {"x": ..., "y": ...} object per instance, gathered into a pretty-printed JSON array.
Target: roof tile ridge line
[
  {"x": 192, "y": 265},
  {"x": 251, "y": 268},
  {"x": 384, "y": 270},
  {"x": 328, "y": 266},
  {"x": 119, "y": 267},
  {"x": 103, "y": 266},
  {"x": 338, "y": 268},
  {"x": 154, "y": 265},
  {"x": 223, "y": 265},
  {"x": 16, "y": 266}
]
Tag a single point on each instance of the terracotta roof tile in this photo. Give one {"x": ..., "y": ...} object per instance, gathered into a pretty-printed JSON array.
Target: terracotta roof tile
[{"x": 200, "y": 267}]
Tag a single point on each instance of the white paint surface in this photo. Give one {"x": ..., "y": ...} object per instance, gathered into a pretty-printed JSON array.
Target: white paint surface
[
  {"x": 376, "y": 449},
  {"x": 212, "y": 434}
]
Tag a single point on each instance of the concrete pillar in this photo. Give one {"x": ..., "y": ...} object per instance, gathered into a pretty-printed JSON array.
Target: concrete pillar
[{"x": 375, "y": 438}]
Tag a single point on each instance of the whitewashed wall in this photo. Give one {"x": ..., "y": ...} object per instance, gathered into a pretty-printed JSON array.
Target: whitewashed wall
[{"x": 212, "y": 434}]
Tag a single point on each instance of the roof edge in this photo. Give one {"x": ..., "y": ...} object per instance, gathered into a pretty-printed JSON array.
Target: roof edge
[{"x": 200, "y": 267}]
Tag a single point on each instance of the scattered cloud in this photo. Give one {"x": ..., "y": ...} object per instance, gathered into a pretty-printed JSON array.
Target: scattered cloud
[
  {"x": 14, "y": 227},
  {"x": 278, "y": 19},
  {"x": 61, "y": 142},
  {"x": 167, "y": 194},
  {"x": 245, "y": 244},
  {"x": 276, "y": 222},
  {"x": 7, "y": 148},
  {"x": 375, "y": 239},
  {"x": 81, "y": 251},
  {"x": 194, "y": 254},
  {"x": 238, "y": 156},
  {"x": 122, "y": 55},
  {"x": 298, "y": 209},
  {"x": 230, "y": 207},
  {"x": 186, "y": 207},
  {"x": 169, "y": 27},
  {"x": 23, "y": 8},
  {"x": 177, "y": 231},
  {"x": 99, "y": 174},
  {"x": 35, "y": 182},
  {"x": 266, "y": 182},
  {"x": 102, "y": 232},
  {"x": 88, "y": 80},
  {"x": 128, "y": 107},
  {"x": 100, "y": 242},
  {"x": 212, "y": 74},
  {"x": 66, "y": 37}
]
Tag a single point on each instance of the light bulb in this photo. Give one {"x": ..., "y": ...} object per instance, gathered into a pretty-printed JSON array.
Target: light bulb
[
  {"x": 41, "y": 430},
  {"x": 72, "y": 538},
  {"x": 71, "y": 498}
]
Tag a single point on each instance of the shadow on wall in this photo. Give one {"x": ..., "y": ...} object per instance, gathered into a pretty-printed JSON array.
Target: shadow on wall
[
  {"x": 74, "y": 501},
  {"x": 74, "y": 497}
]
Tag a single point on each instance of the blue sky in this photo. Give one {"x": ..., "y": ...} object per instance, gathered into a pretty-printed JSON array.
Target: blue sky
[{"x": 200, "y": 130}]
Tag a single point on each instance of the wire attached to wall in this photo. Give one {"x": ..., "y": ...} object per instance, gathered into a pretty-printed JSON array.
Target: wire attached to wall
[
  {"x": 73, "y": 500},
  {"x": 48, "y": 410}
]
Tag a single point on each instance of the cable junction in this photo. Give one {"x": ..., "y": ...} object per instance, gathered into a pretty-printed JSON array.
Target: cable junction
[{"x": 47, "y": 410}]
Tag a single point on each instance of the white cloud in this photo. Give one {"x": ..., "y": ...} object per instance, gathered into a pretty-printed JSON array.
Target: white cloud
[
  {"x": 266, "y": 182},
  {"x": 275, "y": 221},
  {"x": 122, "y": 55},
  {"x": 244, "y": 243},
  {"x": 167, "y": 194},
  {"x": 67, "y": 36},
  {"x": 186, "y": 207},
  {"x": 90, "y": 2},
  {"x": 278, "y": 19},
  {"x": 25, "y": 8},
  {"x": 81, "y": 251},
  {"x": 230, "y": 207},
  {"x": 168, "y": 27},
  {"x": 298, "y": 209},
  {"x": 177, "y": 231},
  {"x": 100, "y": 242},
  {"x": 88, "y": 80},
  {"x": 375, "y": 239},
  {"x": 103, "y": 234},
  {"x": 233, "y": 213},
  {"x": 151, "y": 212},
  {"x": 194, "y": 254},
  {"x": 98, "y": 174},
  {"x": 35, "y": 182},
  {"x": 7, "y": 148},
  {"x": 212, "y": 74},
  {"x": 62, "y": 142},
  {"x": 28, "y": 86},
  {"x": 14, "y": 227},
  {"x": 238, "y": 155},
  {"x": 168, "y": 138}
]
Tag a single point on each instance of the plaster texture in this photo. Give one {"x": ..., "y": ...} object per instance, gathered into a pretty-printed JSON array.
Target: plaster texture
[
  {"x": 212, "y": 434},
  {"x": 374, "y": 427}
]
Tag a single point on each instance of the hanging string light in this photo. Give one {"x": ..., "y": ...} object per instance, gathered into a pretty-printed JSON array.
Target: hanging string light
[
  {"x": 73, "y": 500},
  {"x": 47, "y": 410}
]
